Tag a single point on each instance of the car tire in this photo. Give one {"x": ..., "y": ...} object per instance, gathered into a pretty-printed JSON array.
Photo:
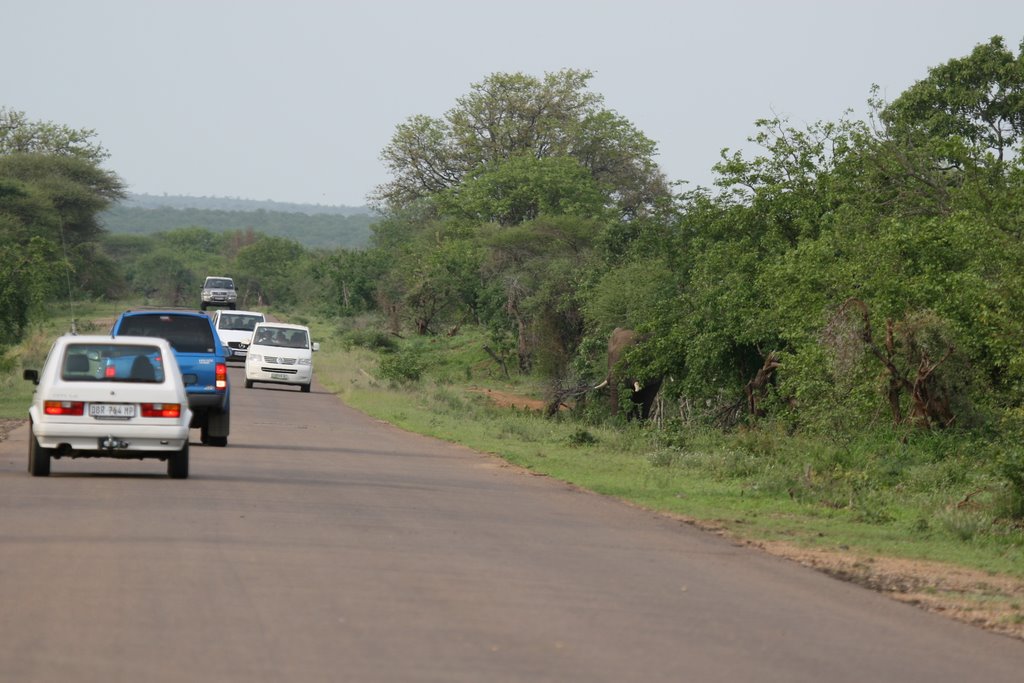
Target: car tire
[
  {"x": 38, "y": 457},
  {"x": 231, "y": 306},
  {"x": 305, "y": 388},
  {"x": 208, "y": 440},
  {"x": 202, "y": 307},
  {"x": 248, "y": 384},
  {"x": 177, "y": 464}
]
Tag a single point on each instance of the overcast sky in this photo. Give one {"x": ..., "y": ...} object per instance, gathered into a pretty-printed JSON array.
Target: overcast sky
[{"x": 294, "y": 100}]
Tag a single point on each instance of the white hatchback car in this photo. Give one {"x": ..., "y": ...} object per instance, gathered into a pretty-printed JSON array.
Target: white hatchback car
[
  {"x": 100, "y": 396},
  {"x": 235, "y": 330},
  {"x": 280, "y": 353}
]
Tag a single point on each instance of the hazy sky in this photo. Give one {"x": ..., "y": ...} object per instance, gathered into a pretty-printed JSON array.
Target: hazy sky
[{"x": 294, "y": 100}]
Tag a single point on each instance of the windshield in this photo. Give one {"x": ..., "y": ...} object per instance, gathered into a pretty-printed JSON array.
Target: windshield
[
  {"x": 219, "y": 283},
  {"x": 112, "y": 363},
  {"x": 285, "y": 337},
  {"x": 234, "y": 321}
]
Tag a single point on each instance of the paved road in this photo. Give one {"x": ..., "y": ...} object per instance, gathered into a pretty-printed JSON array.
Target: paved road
[{"x": 322, "y": 545}]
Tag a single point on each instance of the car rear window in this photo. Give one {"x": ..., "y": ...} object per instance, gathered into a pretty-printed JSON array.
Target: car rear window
[
  {"x": 112, "y": 363},
  {"x": 186, "y": 333}
]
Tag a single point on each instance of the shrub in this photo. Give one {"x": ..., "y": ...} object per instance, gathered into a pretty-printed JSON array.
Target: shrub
[
  {"x": 403, "y": 367},
  {"x": 375, "y": 340}
]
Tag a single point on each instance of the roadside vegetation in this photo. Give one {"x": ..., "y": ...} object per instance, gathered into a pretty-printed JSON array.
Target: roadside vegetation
[{"x": 836, "y": 325}]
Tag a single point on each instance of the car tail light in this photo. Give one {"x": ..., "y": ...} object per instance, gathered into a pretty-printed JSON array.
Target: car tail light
[
  {"x": 160, "y": 409},
  {"x": 109, "y": 371},
  {"x": 63, "y": 407},
  {"x": 222, "y": 376}
]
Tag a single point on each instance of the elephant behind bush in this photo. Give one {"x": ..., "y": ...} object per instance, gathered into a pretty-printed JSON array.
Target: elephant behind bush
[{"x": 642, "y": 394}]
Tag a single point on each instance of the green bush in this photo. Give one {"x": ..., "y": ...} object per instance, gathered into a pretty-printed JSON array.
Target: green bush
[
  {"x": 375, "y": 340},
  {"x": 403, "y": 367}
]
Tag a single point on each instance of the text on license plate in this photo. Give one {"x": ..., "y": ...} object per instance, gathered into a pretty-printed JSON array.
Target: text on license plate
[
  {"x": 278, "y": 375},
  {"x": 112, "y": 409}
]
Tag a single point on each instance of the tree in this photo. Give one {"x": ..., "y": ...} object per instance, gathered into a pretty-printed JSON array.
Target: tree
[
  {"x": 267, "y": 272},
  {"x": 71, "y": 189},
  {"x": 510, "y": 115},
  {"x": 31, "y": 272},
  {"x": 48, "y": 209},
  {"x": 971, "y": 107},
  {"x": 522, "y": 188},
  {"x": 19, "y": 135}
]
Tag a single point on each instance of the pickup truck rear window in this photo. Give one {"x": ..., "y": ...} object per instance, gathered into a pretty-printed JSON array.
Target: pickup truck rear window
[{"x": 186, "y": 333}]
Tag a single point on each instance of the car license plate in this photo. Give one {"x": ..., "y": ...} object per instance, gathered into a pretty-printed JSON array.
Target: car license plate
[
  {"x": 278, "y": 375},
  {"x": 112, "y": 409}
]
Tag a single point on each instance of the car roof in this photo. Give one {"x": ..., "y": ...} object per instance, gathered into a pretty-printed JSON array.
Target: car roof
[
  {"x": 166, "y": 311},
  {"x": 125, "y": 339},
  {"x": 232, "y": 311},
  {"x": 290, "y": 326}
]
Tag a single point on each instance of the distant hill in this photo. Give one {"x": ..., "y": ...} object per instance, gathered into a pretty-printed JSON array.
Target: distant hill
[
  {"x": 152, "y": 201},
  {"x": 312, "y": 225}
]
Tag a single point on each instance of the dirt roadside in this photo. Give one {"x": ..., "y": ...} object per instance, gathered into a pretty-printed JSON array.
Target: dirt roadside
[{"x": 994, "y": 603}]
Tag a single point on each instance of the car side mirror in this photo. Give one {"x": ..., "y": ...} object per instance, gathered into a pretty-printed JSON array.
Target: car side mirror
[
  {"x": 189, "y": 378},
  {"x": 31, "y": 375},
  {"x": 316, "y": 346}
]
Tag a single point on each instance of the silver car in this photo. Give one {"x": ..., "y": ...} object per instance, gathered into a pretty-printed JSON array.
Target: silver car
[{"x": 218, "y": 291}]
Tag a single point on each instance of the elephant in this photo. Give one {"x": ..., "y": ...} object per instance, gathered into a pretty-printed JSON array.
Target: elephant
[{"x": 642, "y": 395}]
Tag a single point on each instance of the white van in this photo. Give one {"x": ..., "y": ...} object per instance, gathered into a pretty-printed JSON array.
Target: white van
[{"x": 280, "y": 353}]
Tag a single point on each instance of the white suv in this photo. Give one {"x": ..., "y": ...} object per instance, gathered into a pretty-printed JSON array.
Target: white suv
[
  {"x": 218, "y": 291},
  {"x": 235, "y": 330}
]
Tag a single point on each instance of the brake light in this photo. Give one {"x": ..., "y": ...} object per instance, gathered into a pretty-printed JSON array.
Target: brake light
[
  {"x": 63, "y": 407},
  {"x": 109, "y": 371},
  {"x": 160, "y": 409},
  {"x": 222, "y": 376}
]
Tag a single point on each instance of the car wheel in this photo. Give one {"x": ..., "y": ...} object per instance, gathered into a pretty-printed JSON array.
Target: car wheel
[
  {"x": 231, "y": 306},
  {"x": 248, "y": 384},
  {"x": 305, "y": 388},
  {"x": 202, "y": 307},
  {"x": 38, "y": 457},
  {"x": 177, "y": 464},
  {"x": 210, "y": 440}
]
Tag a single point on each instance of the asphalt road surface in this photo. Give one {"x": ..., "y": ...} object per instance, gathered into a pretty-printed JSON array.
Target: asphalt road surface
[{"x": 322, "y": 545}]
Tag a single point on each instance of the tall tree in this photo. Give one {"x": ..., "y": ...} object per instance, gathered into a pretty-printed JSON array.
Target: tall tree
[
  {"x": 968, "y": 108},
  {"x": 20, "y": 135},
  {"x": 509, "y": 115}
]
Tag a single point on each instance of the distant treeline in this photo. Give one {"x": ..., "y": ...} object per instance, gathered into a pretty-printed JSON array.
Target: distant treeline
[
  {"x": 151, "y": 201},
  {"x": 320, "y": 230}
]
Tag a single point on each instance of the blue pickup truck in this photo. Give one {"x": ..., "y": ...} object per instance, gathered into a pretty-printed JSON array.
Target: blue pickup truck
[{"x": 199, "y": 351}]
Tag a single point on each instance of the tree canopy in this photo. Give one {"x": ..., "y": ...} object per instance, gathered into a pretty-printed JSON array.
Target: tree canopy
[
  {"x": 51, "y": 190},
  {"x": 515, "y": 115}
]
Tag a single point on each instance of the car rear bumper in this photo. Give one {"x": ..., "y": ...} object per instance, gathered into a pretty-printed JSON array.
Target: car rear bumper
[
  {"x": 87, "y": 437},
  {"x": 207, "y": 400}
]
